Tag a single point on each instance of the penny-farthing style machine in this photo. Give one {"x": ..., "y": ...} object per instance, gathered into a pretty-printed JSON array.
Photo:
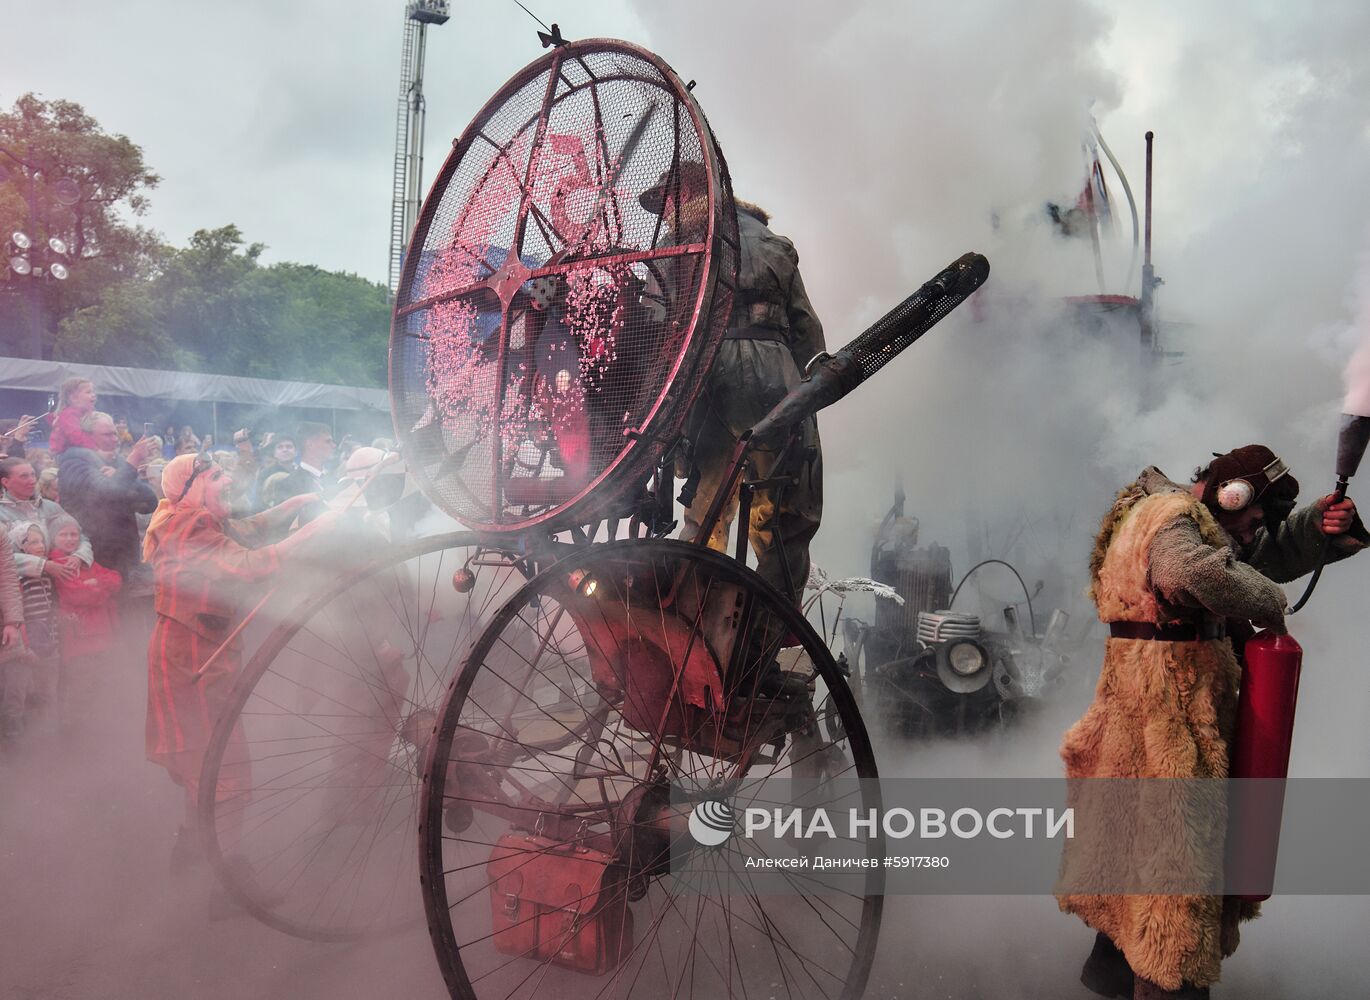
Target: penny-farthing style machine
[
  {"x": 551, "y": 335},
  {"x": 542, "y": 690}
]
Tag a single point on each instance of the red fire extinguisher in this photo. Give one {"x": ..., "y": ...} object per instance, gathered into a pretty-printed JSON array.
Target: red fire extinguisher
[
  {"x": 1260, "y": 750},
  {"x": 1265, "y": 718}
]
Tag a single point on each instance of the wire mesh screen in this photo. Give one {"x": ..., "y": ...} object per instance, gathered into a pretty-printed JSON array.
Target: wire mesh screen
[
  {"x": 569, "y": 281},
  {"x": 918, "y": 313}
]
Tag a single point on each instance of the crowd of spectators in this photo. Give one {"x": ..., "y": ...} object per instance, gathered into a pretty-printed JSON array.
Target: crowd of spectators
[{"x": 74, "y": 510}]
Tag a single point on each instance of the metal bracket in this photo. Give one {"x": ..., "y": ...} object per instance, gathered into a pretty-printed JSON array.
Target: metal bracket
[
  {"x": 639, "y": 435},
  {"x": 814, "y": 362},
  {"x": 554, "y": 40}
]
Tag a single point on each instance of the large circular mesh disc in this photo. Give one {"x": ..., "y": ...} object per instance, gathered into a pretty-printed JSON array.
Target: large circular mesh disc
[{"x": 550, "y": 329}]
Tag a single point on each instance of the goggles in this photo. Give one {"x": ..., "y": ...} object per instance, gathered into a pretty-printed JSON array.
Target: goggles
[
  {"x": 1238, "y": 494},
  {"x": 203, "y": 463}
]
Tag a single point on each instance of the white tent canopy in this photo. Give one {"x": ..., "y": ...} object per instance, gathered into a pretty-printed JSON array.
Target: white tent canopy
[{"x": 109, "y": 380}]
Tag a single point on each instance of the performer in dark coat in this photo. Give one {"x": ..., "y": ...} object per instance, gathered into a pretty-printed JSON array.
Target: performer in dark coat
[{"x": 772, "y": 335}]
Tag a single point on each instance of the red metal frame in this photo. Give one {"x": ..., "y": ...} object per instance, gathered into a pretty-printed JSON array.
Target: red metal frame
[{"x": 681, "y": 385}]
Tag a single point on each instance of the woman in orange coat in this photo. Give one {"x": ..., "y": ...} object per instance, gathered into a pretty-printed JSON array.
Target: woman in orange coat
[{"x": 202, "y": 565}]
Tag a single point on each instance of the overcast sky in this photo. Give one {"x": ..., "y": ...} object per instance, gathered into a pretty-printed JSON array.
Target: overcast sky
[{"x": 280, "y": 116}]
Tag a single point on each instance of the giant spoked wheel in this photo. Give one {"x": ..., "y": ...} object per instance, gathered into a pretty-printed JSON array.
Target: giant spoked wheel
[
  {"x": 568, "y": 283},
  {"x": 617, "y": 687},
  {"x": 309, "y": 788}
]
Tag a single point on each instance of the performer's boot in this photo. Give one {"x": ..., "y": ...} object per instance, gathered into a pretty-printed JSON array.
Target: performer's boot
[
  {"x": 187, "y": 853},
  {"x": 1106, "y": 971},
  {"x": 774, "y": 682},
  {"x": 1147, "y": 990}
]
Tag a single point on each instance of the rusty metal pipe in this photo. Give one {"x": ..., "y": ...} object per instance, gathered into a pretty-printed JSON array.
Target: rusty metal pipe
[
  {"x": 1149, "y": 282},
  {"x": 832, "y": 377},
  {"x": 1150, "y": 136}
]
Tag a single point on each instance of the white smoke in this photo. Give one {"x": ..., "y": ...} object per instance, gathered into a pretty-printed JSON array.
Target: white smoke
[
  {"x": 1357, "y": 376},
  {"x": 888, "y": 139}
]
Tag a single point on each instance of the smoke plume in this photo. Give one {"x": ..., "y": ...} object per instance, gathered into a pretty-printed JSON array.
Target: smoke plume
[
  {"x": 885, "y": 141},
  {"x": 1357, "y": 375}
]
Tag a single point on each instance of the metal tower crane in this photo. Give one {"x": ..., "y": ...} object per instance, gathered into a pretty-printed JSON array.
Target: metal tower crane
[{"x": 408, "y": 191}]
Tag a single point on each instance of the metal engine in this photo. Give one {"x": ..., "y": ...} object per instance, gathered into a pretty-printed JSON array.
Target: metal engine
[{"x": 933, "y": 671}]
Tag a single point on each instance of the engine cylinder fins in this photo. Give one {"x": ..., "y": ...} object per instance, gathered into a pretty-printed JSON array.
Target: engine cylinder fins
[{"x": 941, "y": 626}]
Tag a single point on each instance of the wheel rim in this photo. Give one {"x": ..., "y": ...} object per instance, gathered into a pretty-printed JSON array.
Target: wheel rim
[
  {"x": 551, "y": 757},
  {"x": 308, "y": 790},
  {"x": 495, "y": 430}
]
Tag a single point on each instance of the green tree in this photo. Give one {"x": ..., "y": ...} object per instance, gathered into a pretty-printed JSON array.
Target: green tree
[
  {"x": 327, "y": 322},
  {"x": 62, "y": 176},
  {"x": 213, "y": 307}
]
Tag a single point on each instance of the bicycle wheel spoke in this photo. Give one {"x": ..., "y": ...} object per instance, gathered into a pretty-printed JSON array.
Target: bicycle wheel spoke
[
  {"x": 581, "y": 716},
  {"x": 316, "y": 759}
]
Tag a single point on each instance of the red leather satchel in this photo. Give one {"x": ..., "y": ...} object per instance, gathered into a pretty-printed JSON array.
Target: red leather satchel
[{"x": 561, "y": 903}]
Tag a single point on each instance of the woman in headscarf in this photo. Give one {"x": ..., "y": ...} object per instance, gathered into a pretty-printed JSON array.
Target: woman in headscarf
[{"x": 202, "y": 564}]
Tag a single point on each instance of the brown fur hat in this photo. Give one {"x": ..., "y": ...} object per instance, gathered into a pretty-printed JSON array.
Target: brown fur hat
[
  {"x": 755, "y": 211},
  {"x": 1248, "y": 462}
]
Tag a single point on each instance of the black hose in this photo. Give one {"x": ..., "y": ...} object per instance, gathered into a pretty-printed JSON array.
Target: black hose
[
  {"x": 1032, "y": 619},
  {"x": 1312, "y": 583},
  {"x": 1338, "y": 495}
]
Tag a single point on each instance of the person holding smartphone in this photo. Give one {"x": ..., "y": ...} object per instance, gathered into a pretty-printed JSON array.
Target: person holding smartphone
[
  {"x": 14, "y": 435},
  {"x": 244, "y": 469},
  {"x": 104, "y": 492}
]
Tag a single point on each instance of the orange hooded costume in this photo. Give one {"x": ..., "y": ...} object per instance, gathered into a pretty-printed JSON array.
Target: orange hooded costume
[{"x": 202, "y": 567}]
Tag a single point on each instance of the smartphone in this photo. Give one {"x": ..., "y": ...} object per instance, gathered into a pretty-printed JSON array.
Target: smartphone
[{"x": 147, "y": 429}]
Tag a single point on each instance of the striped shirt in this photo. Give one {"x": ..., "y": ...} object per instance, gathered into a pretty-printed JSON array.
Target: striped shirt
[
  {"x": 40, "y": 615},
  {"x": 39, "y": 601}
]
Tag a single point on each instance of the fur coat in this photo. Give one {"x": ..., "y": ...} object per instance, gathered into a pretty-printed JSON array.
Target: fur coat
[{"x": 1164, "y": 710}]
